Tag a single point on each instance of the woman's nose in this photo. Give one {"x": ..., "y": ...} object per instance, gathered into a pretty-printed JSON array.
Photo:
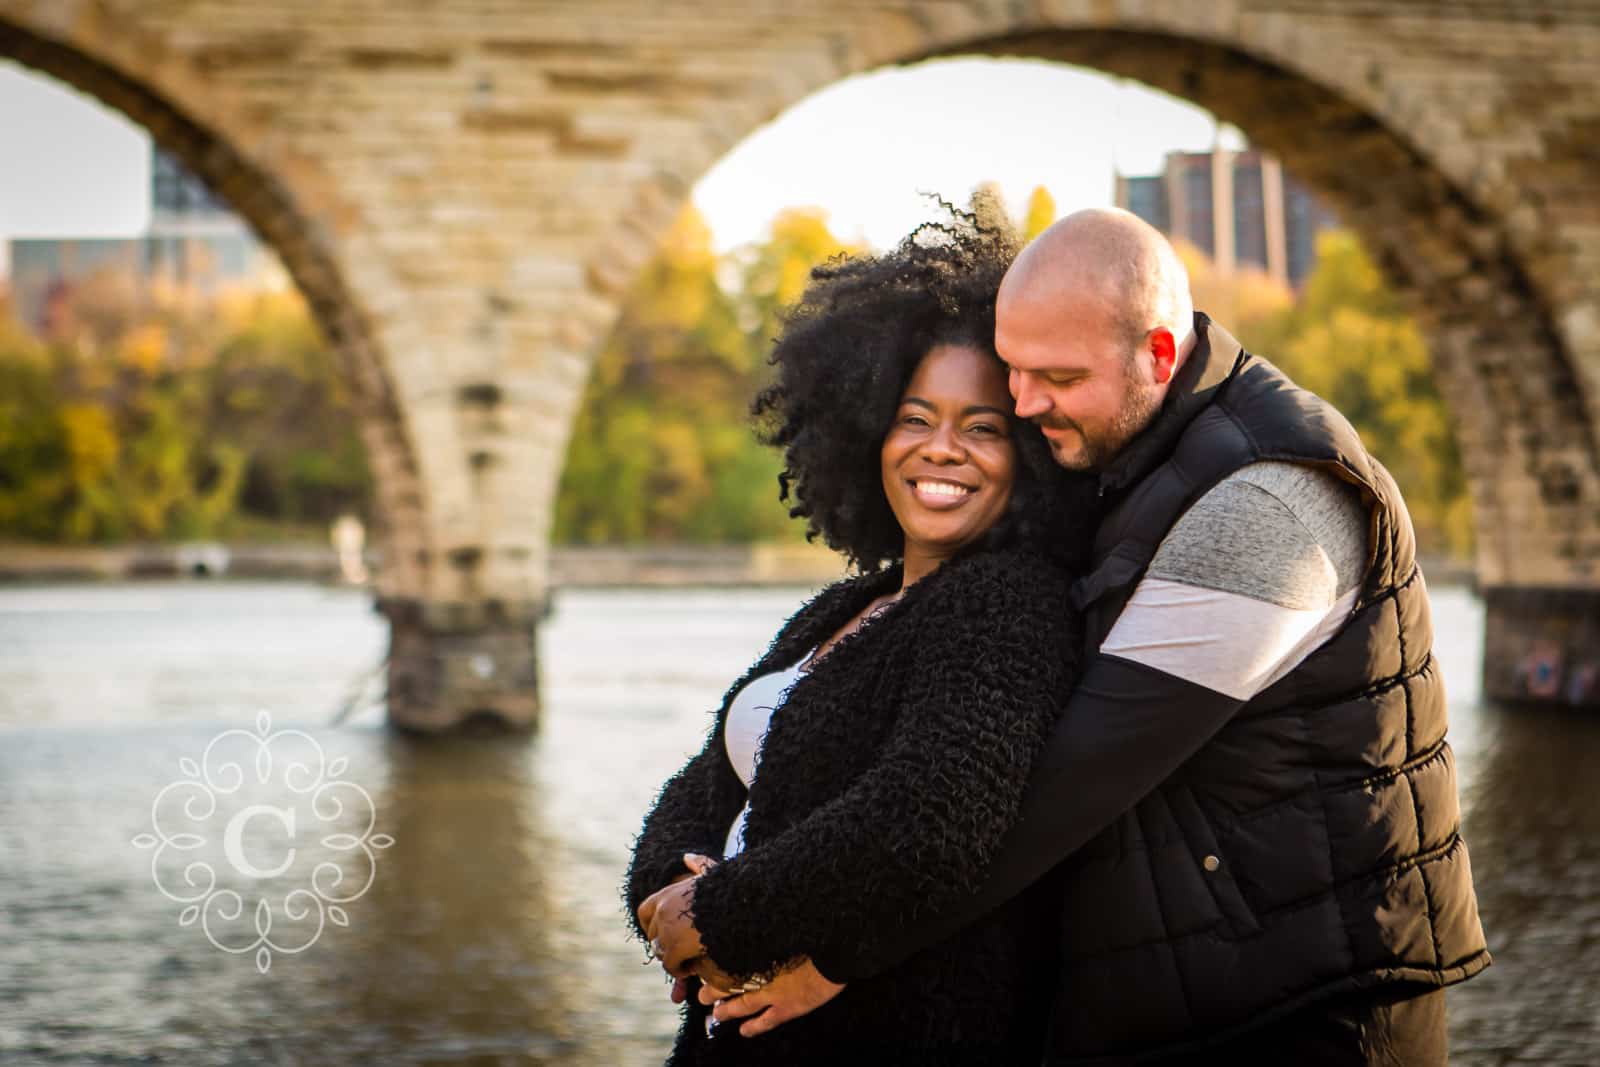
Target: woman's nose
[{"x": 943, "y": 446}]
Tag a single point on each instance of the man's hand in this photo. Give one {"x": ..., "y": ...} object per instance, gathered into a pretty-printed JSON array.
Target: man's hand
[{"x": 797, "y": 991}]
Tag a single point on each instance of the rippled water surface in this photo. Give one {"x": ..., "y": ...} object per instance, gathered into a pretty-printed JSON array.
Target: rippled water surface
[{"x": 489, "y": 930}]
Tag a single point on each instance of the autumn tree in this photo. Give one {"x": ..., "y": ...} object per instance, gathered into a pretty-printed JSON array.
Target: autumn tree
[
  {"x": 162, "y": 414},
  {"x": 662, "y": 448},
  {"x": 1040, "y": 213},
  {"x": 1350, "y": 340},
  {"x": 1347, "y": 337},
  {"x": 773, "y": 273}
]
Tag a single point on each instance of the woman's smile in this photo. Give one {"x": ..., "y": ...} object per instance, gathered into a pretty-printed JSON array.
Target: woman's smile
[{"x": 939, "y": 493}]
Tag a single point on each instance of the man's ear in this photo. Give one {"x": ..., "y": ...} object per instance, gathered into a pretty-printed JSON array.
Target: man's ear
[{"x": 1163, "y": 349}]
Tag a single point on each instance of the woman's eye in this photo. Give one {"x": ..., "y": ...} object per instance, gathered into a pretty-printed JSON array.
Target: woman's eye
[
  {"x": 914, "y": 420},
  {"x": 983, "y": 428}
]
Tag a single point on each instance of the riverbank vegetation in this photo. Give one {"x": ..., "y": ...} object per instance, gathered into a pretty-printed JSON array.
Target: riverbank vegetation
[{"x": 159, "y": 415}]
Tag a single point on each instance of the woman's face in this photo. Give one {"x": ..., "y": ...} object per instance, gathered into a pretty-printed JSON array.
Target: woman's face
[{"x": 948, "y": 460}]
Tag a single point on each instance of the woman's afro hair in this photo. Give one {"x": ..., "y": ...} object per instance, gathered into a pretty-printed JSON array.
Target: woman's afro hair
[{"x": 847, "y": 351}]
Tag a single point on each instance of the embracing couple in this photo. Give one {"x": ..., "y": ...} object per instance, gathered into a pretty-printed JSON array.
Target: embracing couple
[{"x": 1126, "y": 745}]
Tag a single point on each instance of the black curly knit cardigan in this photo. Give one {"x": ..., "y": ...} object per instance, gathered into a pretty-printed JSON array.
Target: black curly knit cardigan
[{"x": 887, "y": 779}]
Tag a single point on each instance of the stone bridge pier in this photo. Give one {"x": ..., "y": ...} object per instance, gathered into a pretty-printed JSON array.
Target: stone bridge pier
[{"x": 463, "y": 190}]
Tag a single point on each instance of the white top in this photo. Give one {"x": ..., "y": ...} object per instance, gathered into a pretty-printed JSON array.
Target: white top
[{"x": 749, "y": 718}]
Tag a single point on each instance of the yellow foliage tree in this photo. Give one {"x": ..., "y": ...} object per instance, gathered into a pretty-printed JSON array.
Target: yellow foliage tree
[
  {"x": 1349, "y": 339},
  {"x": 1243, "y": 301},
  {"x": 157, "y": 414},
  {"x": 1040, "y": 214},
  {"x": 662, "y": 448},
  {"x": 773, "y": 273}
]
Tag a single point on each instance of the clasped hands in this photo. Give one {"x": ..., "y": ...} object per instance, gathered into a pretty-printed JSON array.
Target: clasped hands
[{"x": 667, "y": 918}]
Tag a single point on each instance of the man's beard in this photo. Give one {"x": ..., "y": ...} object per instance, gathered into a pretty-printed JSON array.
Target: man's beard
[{"x": 1137, "y": 412}]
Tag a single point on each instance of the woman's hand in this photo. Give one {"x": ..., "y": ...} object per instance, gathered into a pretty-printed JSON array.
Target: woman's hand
[
  {"x": 668, "y": 920},
  {"x": 796, "y": 991},
  {"x": 697, "y": 865}
]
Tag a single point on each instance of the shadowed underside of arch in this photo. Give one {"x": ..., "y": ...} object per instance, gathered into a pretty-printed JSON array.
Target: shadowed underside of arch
[{"x": 267, "y": 204}]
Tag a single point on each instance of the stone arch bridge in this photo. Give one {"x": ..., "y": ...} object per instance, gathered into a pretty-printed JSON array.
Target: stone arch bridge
[{"x": 463, "y": 189}]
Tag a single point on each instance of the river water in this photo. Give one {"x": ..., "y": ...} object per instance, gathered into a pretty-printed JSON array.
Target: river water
[{"x": 480, "y": 921}]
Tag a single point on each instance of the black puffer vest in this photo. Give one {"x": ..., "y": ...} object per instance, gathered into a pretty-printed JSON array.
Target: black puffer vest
[{"x": 1311, "y": 847}]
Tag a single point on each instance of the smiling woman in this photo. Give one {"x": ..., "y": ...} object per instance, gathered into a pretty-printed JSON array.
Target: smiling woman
[
  {"x": 850, "y": 348},
  {"x": 913, "y": 695}
]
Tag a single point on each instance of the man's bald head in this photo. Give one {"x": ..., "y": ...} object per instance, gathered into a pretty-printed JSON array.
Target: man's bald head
[
  {"x": 1112, "y": 256},
  {"x": 1094, "y": 319}
]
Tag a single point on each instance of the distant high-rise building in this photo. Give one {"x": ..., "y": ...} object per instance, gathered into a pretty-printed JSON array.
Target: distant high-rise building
[
  {"x": 195, "y": 242},
  {"x": 176, "y": 192},
  {"x": 1239, "y": 208}
]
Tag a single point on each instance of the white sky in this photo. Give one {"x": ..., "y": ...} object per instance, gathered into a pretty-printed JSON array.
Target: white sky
[
  {"x": 863, "y": 149},
  {"x": 69, "y": 166},
  {"x": 866, "y": 147}
]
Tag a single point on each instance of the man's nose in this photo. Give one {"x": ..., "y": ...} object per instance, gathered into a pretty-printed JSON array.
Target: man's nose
[{"x": 1031, "y": 401}]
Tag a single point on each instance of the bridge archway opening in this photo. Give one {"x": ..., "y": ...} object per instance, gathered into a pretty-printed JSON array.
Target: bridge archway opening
[{"x": 281, "y": 224}]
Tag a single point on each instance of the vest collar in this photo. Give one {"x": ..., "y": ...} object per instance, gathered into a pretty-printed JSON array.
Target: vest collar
[{"x": 1215, "y": 359}]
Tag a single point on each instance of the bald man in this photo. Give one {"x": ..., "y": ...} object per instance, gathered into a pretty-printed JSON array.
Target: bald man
[{"x": 1248, "y": 808}]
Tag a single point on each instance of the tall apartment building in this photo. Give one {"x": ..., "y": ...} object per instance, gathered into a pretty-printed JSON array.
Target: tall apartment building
[
  {"x": 1240, "y": 208},
  {"x": 195, "y": 242}
]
